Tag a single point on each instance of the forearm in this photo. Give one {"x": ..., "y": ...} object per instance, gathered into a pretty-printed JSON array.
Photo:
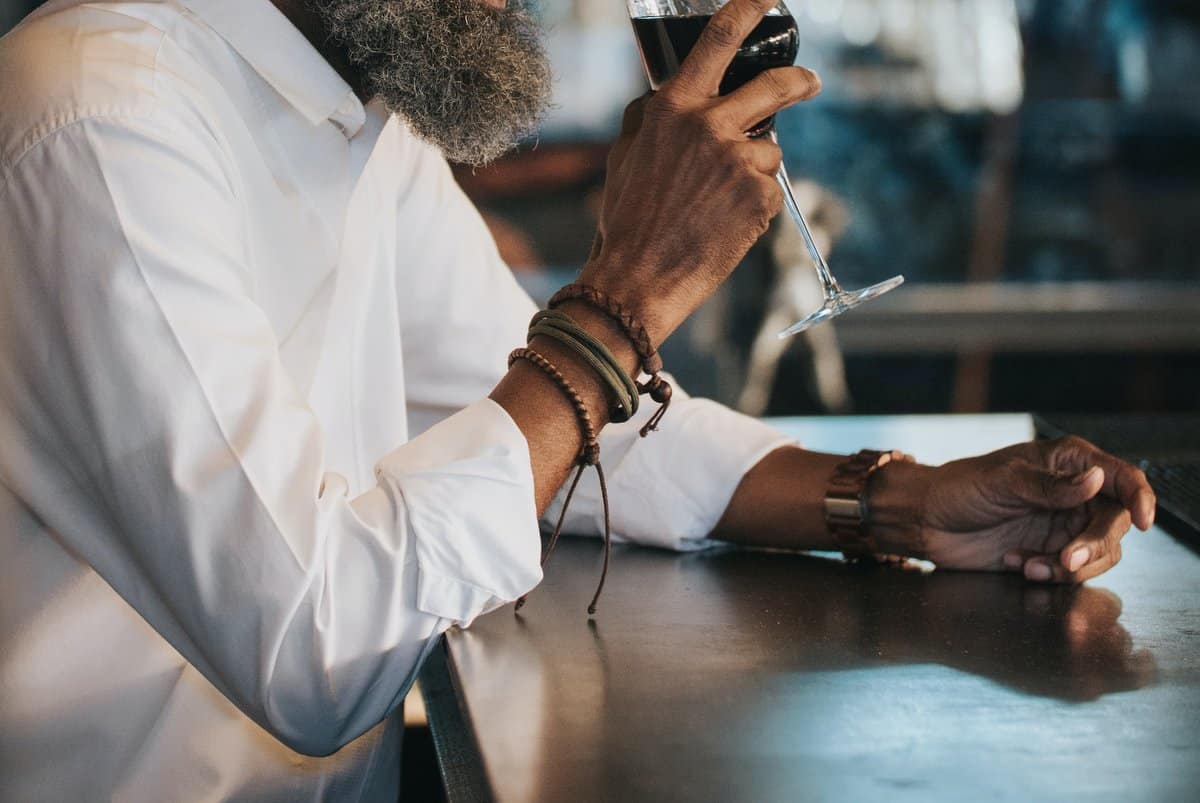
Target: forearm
[
  {"x": 544, "y": 414},
  {"x": 780, "y": 503}
]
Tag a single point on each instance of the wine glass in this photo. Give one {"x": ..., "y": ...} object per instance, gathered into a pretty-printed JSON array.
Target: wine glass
[{"x": 666, "y": 31}]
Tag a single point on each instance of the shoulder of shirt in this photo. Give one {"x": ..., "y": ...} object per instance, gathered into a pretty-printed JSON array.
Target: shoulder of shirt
[{"x": 74, "y": 61}]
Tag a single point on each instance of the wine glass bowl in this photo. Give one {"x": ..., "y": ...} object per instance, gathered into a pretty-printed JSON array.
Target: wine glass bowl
[{"x": 666, "y": 31}]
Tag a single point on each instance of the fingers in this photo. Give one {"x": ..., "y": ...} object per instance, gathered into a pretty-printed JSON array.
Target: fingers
[
  {"x": 762, "y": 154},
  {"x": 1130, "y": 487},
  {"x": 768, "y": 200},
  {"x": 1122, "y": 481},
  {"x": 1015, "y": 560},
  {"x": 1101, "y": 539},
  {"x": 1030, "y": 484},
  {"x": 1093, "y": 552},
  {"x": 767, "y": 94},
  {"x": 706, "y": 63}
]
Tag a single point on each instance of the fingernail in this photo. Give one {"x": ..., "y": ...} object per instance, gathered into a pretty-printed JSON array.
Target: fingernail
[
  {"x": 1038, "y": 571},
  {"x": 1083, "y": 477},
  {"x": 1012, "y": 560},
  {"x": 1079, "y": 558}
]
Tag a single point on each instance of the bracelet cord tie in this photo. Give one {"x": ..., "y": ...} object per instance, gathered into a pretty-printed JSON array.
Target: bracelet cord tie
[{"x": 589, "y": 455}]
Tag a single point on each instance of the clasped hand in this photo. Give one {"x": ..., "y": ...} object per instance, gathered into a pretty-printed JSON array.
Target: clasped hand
[{"x": 1053, "y": 510}]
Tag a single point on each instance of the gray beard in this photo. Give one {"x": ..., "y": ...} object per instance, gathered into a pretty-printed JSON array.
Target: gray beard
[{"x": 468, "y": 78}]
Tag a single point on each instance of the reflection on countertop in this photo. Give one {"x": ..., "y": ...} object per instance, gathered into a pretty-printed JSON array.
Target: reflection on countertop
[{"x": 772, "y": 676}]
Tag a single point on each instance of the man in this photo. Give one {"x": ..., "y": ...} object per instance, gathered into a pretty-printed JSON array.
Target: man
[{"x": 259, "y": 444}]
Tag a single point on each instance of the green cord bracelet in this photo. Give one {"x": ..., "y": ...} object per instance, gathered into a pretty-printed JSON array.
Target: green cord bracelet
[{"x": 600, "y": 359}]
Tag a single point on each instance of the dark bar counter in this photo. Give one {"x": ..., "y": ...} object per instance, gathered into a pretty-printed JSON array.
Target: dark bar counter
[{"x": 735, "y": 675}]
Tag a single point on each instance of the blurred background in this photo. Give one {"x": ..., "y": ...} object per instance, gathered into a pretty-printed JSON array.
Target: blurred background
[{"x": 1031, "y": 166}]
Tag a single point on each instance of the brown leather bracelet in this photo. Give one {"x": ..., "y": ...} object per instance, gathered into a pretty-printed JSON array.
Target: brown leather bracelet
[
  {"x": 633, "y": 329},
  {"x": 847, "y": 513},
  {"x": 656, "y": 387}
]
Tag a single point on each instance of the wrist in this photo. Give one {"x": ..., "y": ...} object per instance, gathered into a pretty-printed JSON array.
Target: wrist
[
  {"x": 594, "y": 391},
  {"x": 616, "y": 277},
  {"x": 896, "y": 496},
  {"x": 584, "y": 380}
]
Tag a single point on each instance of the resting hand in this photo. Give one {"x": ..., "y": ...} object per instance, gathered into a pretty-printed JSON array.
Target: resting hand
[{"x": 1054, "y": 510}]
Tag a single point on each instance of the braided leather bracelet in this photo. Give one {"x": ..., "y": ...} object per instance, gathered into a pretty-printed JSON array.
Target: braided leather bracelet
[
  {"x": 656, "y": 387},
  {"x": 589, "y": 455}
]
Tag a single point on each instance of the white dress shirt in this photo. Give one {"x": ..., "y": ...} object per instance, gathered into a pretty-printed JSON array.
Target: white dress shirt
[{"x": 248, "y": 469}]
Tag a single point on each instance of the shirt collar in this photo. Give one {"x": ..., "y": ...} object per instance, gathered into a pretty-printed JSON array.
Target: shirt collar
[{"x": 285, "y": 59}]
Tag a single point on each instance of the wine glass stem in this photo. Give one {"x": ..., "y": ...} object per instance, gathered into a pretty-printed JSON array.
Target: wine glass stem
[{"x": 828, "y": 283}]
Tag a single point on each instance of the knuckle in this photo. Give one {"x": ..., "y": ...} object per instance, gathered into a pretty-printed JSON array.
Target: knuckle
[
  {"x": 1046, "y": 484},
  {"x": 812, "y": 82},
  {"x": 1073, "y": 442},
  {"x": 745, "y": 164},
  {"x": 665, "y": 101},
  {"x": 777, "y": 85},
  {"x": 799, "y": 83},
  {"x": 722, "y": 31},
  {"x": 774, "y": 160}
]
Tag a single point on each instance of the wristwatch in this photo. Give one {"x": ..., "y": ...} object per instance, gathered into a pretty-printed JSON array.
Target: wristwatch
[{"x": 847, "y": 514}]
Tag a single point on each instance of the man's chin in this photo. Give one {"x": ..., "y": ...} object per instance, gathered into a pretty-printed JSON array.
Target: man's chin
[{"x": 469, "y": 76}]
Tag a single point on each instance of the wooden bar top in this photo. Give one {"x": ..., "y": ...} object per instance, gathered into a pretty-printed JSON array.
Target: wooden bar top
[{"x": 737, "y": 675}]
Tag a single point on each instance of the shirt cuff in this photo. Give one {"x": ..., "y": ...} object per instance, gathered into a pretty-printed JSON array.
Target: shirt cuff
[
  {"x": 465, "y": 487},
  {"x": 671, "y": 488},
  {"x": 675, "y": 484}
]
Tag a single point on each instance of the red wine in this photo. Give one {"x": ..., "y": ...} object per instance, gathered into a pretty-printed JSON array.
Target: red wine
[{"x": 666, "y": 41}]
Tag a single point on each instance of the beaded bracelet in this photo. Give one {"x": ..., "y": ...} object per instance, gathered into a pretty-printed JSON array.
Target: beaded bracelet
[{"x": 589, "y": 455}]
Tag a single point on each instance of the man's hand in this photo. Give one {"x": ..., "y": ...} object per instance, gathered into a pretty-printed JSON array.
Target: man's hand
[
  {"x": 688, "y": 192},
  {"x": 1054, "y": 510}
]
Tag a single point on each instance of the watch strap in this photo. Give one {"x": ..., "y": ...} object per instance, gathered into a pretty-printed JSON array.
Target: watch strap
[{"x": 847, "y": 514}]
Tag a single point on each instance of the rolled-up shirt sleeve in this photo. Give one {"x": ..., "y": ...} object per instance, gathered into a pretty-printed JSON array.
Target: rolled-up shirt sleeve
[
  {"x": 467, "y": 483},
  {"x": 149, "y": 422}
]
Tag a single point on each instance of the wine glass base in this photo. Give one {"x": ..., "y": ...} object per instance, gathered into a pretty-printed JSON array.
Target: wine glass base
[{"x": 843, "y": 301}]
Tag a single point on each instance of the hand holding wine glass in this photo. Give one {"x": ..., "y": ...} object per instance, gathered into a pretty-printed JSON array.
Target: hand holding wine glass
[
  {"x": 671, "y": 32},
  {"x": 688, "y": 192}
]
